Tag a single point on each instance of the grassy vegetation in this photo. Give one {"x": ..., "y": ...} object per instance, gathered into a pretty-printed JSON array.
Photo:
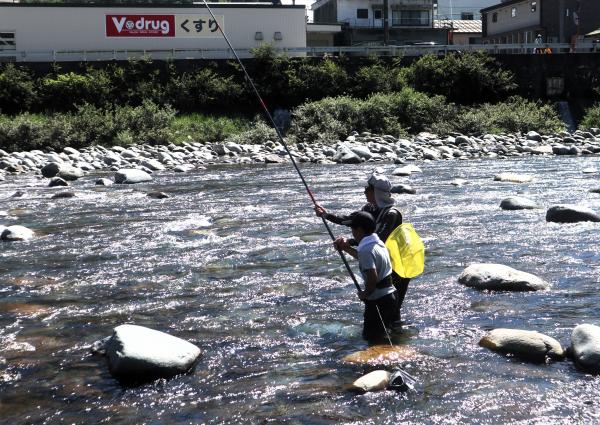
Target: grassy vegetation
[{"x": 591, "y": 118}]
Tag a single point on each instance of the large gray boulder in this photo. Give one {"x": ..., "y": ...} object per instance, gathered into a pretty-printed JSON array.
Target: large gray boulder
[
  {"x": 362, "y": 151},
  {"x": 131, "y": 176},
  {"x": 571, "y": 214},
  {"x": 374, "y": 381},
  {"x": 50, "y": 170},
  {"x": 526, "y": 344},
  {"x": 139, "y": 353},
  {"x": 16, "y": 233},
  {"x": 69, "y": 172},
  {"x": 499, "y": 277},
  {"x": 345, "y": 156},
  {"x": 403, "y": 188},
  {"x": 518, "y": 203},
  {"x": 57, "y": 181},
  {"x": 152, "y": 164},
  {"x": 585, "y": 347}
]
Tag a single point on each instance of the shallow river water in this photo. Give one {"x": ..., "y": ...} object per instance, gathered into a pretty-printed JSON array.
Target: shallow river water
[{"x": 237, "y": 263}]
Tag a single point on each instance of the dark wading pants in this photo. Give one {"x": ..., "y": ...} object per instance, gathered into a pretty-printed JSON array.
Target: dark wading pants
[
  {"x": 401, "y": 285},
  {"x": 390, "y": 313}
]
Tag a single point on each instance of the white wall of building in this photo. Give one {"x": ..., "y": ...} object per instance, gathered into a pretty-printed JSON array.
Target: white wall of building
[
  {"x": 83, "y": 28},
  {"x": 347, "y": 10},
  {"x": 505, "y": 21}
]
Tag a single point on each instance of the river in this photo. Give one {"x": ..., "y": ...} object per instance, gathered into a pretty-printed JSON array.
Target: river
[{"x": 236, "y": 262}]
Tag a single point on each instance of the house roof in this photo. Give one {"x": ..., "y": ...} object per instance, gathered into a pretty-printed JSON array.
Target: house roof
[
  {"x": 501, "y": 5},
  {"x": 469, "y": 26}
]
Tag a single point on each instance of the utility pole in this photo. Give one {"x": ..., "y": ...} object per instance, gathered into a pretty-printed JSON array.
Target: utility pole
[{"x": 386, "y": 23}]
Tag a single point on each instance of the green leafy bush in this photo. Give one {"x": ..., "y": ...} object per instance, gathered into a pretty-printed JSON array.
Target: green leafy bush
[
  {"x": 67, "y": 91},
  {"x": 514, "y": 115},
  {"x": 462, "y": 78},
  {"x": 17, "y": 89},
  {"x": 331, "y": 119},
  {"x": 591, "y": 118},
  {"x": 147, "y": 123}
]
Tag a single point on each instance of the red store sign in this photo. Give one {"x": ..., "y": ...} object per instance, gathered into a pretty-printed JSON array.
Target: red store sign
[{"x": 140, "y": 25}]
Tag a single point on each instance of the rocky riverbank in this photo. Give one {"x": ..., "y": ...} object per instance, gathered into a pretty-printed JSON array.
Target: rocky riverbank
[{"x": 71, "y": 164}]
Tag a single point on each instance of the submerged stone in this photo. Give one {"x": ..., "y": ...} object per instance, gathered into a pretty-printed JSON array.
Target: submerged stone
[
  {"x": 513, "y": 178},
  {"x": 374, "y": 381},
  {"x": 403, "y": 188},
  {"x": 382, "y": 355},
  {"x": 571, "y": 214},
  {"x": 499, "y": 277},
  {"x": 526, "y": 344},
  {"x": 518, "y": 203}
]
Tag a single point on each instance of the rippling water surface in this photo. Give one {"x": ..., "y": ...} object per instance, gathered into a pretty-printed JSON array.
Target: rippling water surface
[{"x": 236, "y": 262}]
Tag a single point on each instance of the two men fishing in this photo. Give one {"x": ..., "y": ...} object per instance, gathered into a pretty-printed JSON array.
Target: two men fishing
[{"x": 371, "y": 227}]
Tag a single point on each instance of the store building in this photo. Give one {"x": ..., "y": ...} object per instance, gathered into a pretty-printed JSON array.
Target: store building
[{"x": 36, "y": 32}]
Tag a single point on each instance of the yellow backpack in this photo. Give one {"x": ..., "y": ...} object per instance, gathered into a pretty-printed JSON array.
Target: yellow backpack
[{"x": 407, "y": 251}]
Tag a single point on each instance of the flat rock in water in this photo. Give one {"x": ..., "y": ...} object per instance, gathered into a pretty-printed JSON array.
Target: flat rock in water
[
  {"x": 590, "y": 170},
  {"x": 382, "y": 355},
  {"x": 64, "y": 195},
  {"x": 407, "y": 170},
  {"x": 518, "y": 203},
  {"x": 403, "y": 188},
  {"x": 526, "y": 344},
  {"x": 158, "y": 195},
  {"x": 104, "y": 182},
  {"x": 57, "y": 181},
  {"x": 131, "y": 176},
  {"x": 571, "y": 214},
  {"x": 139, "y": 353},
  {"x": 458, "y": 182},
  {"x": 513, "y": 178},
  {"x": 499, "y": 277},
  {"x": 585, "y": 346},
  {"x": 374, "y": 381},
  {"x": 16, "y": 233},
  {"x": 595, "y": 190}
]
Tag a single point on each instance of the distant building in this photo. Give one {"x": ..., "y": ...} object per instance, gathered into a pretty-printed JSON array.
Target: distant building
[
  {"x": 461, "y": 9},
  {"x": 461, "y": 31},
  {"x": 558, "y": 21},
  {"x": 42, "y": 32},
  {"x": 409, "y": 20}
]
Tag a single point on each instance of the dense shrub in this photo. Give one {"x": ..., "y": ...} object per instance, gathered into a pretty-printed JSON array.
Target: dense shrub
[
  {"x": 591, "y": 118},
  {"x": 333, "y": 118},
  {"x": 89, "y": 125},
  {"x": 462, "y": 78},
  {"x": 17, "y": 89},
  {"x": 514, "y": 115},
  {"x": 257, "y": 134},
  {"x": 67, "y": 91}
]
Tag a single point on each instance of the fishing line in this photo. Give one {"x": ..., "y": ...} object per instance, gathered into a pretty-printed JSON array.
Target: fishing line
[{"x": 280, "y": 137}]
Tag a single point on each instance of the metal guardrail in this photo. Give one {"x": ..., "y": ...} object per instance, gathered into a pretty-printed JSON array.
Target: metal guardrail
[{"x": 178, "y": 54}]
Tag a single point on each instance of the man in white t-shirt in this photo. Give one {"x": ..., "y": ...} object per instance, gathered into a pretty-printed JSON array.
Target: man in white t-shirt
[{"x": 376, "y": 268}]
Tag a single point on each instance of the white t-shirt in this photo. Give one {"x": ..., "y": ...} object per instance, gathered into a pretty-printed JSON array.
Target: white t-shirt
[{"x": 372, "y": 254}]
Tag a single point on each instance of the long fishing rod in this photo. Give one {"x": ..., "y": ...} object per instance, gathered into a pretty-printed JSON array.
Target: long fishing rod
[{"x": 280, "y": 137}]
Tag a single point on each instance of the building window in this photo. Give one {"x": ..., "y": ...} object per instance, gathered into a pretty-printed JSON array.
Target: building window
[
  {"x": 533, "y": 6},
  {"x": 513, "y": 12},
  {"x": 362, "y": 13},
  {"x": 468, "y": 16},
  {"x": 410, "y": 18},
  {"x": 495, "y": 17},
  {"x": 377, "y": 14},
  {"x": 7, "y": 41}
]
